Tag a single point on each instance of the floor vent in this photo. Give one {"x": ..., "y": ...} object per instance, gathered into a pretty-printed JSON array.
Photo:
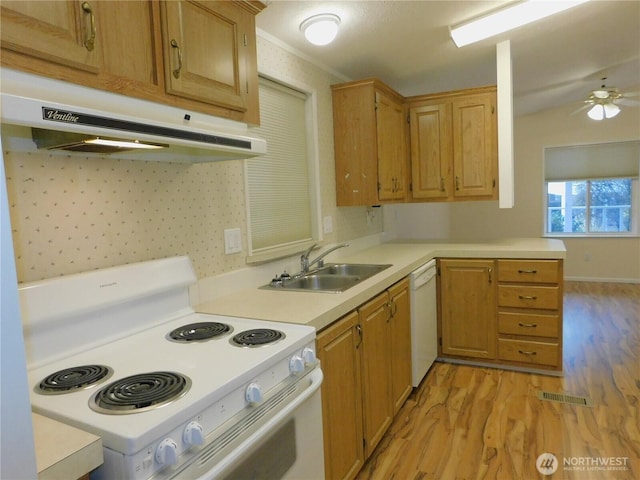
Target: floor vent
[{"x": 562, "y": 398}]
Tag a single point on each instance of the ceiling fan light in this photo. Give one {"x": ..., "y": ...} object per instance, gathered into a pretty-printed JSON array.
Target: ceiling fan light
[
  {"x": 596, "y": 112},
  {"x": 321, "y": 29},
  {"x": 611, "y": 110}
]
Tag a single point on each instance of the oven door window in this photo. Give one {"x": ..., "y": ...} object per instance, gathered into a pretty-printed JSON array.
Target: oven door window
[{"x": 272, "y": 459}]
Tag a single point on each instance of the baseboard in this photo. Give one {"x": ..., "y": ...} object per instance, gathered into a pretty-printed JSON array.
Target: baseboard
[{"x": 601, "y": 279}]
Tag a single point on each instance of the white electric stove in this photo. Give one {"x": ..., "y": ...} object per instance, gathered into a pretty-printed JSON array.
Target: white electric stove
[{"x": 172, "y": 393}]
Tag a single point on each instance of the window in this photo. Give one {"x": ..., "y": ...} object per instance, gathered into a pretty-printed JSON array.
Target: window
[
  {"x": 581, "y": 200},
  {"x": 281, "y": 187}
]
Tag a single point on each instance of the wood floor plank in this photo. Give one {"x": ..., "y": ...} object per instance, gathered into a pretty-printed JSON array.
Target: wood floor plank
[{"x": 475, "y": 423}]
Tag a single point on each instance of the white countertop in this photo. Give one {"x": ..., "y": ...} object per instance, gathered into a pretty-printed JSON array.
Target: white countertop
[
  {"x": 63, "y": 451},
  {"x": 321, "y": 309}
]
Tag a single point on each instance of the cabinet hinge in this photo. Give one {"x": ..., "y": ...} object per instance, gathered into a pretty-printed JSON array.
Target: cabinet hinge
[
  {"x": 494, "y": 183},
  {"x": 244, "y": 39},
  {"x": 379, "y": 186},
  {"x": 440, "y": 341},
  {"x": 438, "y": 272}
]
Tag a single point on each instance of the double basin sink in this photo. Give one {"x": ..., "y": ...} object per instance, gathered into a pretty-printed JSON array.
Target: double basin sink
[{"x": 330, "y": 278}]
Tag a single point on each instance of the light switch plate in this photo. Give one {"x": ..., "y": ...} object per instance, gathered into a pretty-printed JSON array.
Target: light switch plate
[
  {"x": 232, "y": 241},
  {"x": 327, "y": 224}
]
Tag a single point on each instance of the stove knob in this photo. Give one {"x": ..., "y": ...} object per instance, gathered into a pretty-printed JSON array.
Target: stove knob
[
  {"x": 193, "y": 434},
  {"x": 296, "y": 364},
  {"x": 309, "y": 356},
  {"x": 254, "y": 393},
  {"x": 167, "y": 452}
]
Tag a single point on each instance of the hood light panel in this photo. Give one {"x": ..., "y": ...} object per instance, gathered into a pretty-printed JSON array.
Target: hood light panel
[{"x": 135, "y": 144}]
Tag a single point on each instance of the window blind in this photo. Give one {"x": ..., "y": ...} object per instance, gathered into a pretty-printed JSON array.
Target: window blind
[
  {"x": 604, "y": 160},
  {"x": 278, "y": 182}
]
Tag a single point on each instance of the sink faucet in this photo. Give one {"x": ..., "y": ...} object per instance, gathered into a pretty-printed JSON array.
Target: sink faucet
[{"x": 305, "y": 264}]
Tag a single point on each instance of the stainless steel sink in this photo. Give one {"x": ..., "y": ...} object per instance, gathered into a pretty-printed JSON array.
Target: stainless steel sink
[
  {"x": 358, "y": 269},
  {"x": 330, "y": 278}
]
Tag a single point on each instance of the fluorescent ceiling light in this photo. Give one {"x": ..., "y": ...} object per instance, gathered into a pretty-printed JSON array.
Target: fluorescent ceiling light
[
  {"x": 505, "y": 19},
  {"x": 124, "y": 143},
  {"x": 321, "y": 29}
]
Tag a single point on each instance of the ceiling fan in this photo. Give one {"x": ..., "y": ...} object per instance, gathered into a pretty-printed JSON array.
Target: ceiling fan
[{"x": 605, "y": 102}]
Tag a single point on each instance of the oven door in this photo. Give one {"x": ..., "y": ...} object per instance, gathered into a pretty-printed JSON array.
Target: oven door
[{"x": 281, "y": 440}]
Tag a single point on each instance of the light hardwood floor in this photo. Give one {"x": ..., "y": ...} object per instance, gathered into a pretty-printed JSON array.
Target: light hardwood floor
[{"x": 479, "y": 423}]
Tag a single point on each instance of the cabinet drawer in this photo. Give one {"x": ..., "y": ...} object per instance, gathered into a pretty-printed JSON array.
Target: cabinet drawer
[
  {"x": 528, "y": 324},
  {"x": 519, "y": 296},
  {"x": 529, "y": 271},
  {"x": 538, "y": 353}
]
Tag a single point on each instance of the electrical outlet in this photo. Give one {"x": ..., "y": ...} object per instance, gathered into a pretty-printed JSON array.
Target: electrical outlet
[{"x": 232, "y": 241}]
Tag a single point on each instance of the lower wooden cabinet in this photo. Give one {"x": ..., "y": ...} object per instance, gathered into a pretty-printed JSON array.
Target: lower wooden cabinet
[
  {"x": 468, "y": 308},
  {"x": 338, "y": 348},
  {"x": 503, "y": 311},
  {"x": 366, "y": 361}
]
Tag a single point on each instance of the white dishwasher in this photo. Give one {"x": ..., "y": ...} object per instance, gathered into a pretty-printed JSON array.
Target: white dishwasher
[{"x": 424, "y": 330}]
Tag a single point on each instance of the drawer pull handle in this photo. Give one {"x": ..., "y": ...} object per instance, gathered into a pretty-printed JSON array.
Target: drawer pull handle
[
  {"x": 527, "y": 297},
  {"x": 528, "y": 271},
  {"x": 524, "y": 352},
  {"x": 528, "y": 325}
]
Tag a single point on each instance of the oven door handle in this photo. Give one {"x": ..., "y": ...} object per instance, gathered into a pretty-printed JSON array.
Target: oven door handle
[{"x": 315, "y": 381}]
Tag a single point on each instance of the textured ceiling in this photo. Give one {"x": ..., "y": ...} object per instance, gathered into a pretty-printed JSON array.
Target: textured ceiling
[{"x": 406, "y": 44}]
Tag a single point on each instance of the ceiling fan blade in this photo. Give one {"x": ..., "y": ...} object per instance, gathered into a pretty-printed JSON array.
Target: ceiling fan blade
[
  {"x": 584, "y": 107},
  {"x": 628, "y": 102}
]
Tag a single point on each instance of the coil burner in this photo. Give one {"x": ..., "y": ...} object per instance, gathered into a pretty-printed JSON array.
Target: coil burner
[
  {"x": 73, "y": 379},
  {"x": 257, "y": 337},
  {"x": 200, "y": 331},
  {"x": 138, "y": 393}
]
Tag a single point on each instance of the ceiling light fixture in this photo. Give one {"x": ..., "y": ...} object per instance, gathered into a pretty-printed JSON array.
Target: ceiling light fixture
[
  {"x": 602, "y": 111},
  {"x": 505, "y": 19},
  {"x": 320, "y": 29}
]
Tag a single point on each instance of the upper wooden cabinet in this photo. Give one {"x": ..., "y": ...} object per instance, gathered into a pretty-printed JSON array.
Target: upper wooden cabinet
[
  {"x": 64, "y": 33},
  {"x": 370, "y": 143},
  {"x": 127, "y": 47},
  {"x": 208, "y": 50},
  {"x": 454, "y": 145},
  {"x": 451, "y": 138}
]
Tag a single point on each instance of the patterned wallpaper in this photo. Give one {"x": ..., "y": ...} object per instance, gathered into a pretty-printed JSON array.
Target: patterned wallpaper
[{"x": 73, "y": 213}]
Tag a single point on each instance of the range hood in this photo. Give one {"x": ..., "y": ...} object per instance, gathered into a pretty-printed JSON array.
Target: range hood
[{"x": 38, "y": 113}]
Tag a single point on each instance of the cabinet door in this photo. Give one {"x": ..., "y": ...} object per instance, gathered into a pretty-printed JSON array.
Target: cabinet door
[
  {"x": 202, "y": 44},
  {"x": 431, "y": 151},
  {"x": 338, "y": 349},
  {"x": 400, "y": 338},
  {"x": 468, "y": 308},
  {"x": 474, "y": 146},
  {"x": 376, "y": 361},
  {"x": 127, "y": 32},
  {"x": 392, "y": 160},
  {"x": 354, "y": 131},
  {"x": 61, "y": 32}
]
